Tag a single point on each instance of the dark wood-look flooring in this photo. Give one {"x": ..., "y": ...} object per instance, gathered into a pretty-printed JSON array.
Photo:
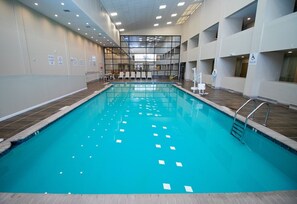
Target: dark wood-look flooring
[{"x": 281, "y": 119}]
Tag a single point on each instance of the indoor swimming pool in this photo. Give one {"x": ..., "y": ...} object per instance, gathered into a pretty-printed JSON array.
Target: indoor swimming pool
[{"x": 146, "y": 138}]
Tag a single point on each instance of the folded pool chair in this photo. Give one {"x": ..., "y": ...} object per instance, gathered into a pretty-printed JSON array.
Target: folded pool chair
[
  {"x": 121, "y": 76},
  {"x": 137, "y": 75},
  {"x": 143, "y": 75},
  {"x": 127, "y": 75},
  {"x": 132, "y": 76},
  {"x": 149, "y": 75}
]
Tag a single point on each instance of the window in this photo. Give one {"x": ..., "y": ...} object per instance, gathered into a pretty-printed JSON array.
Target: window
[
  {"x": 159, "y": 54},
  {"x": 289, "y": 68},
  {"x": 241, "y": 66}
]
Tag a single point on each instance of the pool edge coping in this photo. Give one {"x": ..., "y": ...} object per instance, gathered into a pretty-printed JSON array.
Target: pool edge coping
[
  {"x": 25, "y": 134},
  {"x": 267, "y": 131},
  {"x": 277, "y": 197}
]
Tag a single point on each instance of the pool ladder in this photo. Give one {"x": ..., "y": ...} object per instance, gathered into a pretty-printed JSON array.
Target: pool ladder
[{"x": 238, "y": 127}]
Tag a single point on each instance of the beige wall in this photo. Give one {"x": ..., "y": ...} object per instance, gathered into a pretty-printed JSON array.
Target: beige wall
[{"x": 27, "y": 79}]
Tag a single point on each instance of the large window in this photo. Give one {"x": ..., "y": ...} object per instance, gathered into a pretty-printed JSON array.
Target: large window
[
  {"x": 158, "y": 54},
  {"x": 289, "y": 68}
]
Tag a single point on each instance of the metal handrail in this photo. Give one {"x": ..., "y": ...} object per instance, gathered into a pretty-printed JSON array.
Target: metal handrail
[
  {"x": 266, "y": 116},
  {"x": 251, "y": 99}
]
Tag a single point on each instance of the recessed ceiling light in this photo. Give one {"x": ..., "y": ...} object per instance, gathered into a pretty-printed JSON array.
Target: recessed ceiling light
[
  {"x": 99, "y": 34},
  {"x": 290, "y": 52},
  {"x": 158, "y": 17},
  {"x": 96, "y": 40},
  {"x": 156, "y": 24},
  {"x": 168, "y": 23},
  {"x": 87, "y": 23},
  {"x": 118, "y": 23},
  {"x": 162, "y": 7},
  {"x": 121, "y": 30},
  {"x": 114, "y": 14},
  {"x": 36, "y": 4},
  {"x": 78, "y": 29},
  {"x": 181, "y": 3},
  {"x": 242, "y": 57},
  {"x": 174, "y": 14},
  {"x": 69, "y": 23},
  {"x": 94, "y": 28},
  {"x": 86, "y": 33},
  {"x": 62, "y": 3},
  {"x": 92, "y": 37},
  {"x": 248, "y": 18},
  {"x": 107, "y": 39},
  {"x": 56, "y": 15},
  {"x": 77, "y": 15}
]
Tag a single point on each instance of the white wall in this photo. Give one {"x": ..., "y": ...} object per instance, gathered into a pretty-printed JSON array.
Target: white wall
[
  {"x": 168, "y": 30},
  {"x": 274, "y": 32},
  {"x": 282, "y": 92},
  {"x": 26, "y": 77}
]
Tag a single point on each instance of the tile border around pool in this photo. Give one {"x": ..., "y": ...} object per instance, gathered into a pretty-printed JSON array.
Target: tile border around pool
[
  {"x": 274, "y": 136},
  {"x": 29, "y": 132}
]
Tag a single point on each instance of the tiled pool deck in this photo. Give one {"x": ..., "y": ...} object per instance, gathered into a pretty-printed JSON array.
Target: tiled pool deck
[{"x": 282, "y": 120}]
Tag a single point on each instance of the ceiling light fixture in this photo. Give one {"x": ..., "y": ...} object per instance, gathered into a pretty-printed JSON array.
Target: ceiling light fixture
[
  {"x": 162, "y": 7},
  {"x": 121, "y": 30},
  {"x": 118, "y": 23},
  {"x": 69, "y": 23},
  {"x": 62, "y": 3},
  {"x": 174, "y": 14},
  {"x": 114, "y": 14},
  {"x": 290, "y": 52},
  {"x": 156, "y": 24},
  {"x": 99, "y": 34},
  {"x": 181, "y": 3},
  {"x": 56, "y": 15},
  {"x": 86, "y": 33},
  {"x": 87, "y": 23},
  {"x": 92, "y": 37},
  {"x": 78, "y": 29},
  {"x": 158, "y": 17},
  {"x": 168, "y": 23},
  {"x": 249, "y": 18},
  {"x": 77, "y": 15},
  {"x": 36, "y": 4}
]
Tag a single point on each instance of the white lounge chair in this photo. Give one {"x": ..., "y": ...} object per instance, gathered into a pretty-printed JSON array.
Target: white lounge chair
[
  {"x": 143, "y": 75},
  {"x": 149, "y": 75},
  {"x": 121, "y": 76},
  {"x": 127, "y": 75},
  {"x": 132, "y": 76},
  {"x": 137, "y": 75}
]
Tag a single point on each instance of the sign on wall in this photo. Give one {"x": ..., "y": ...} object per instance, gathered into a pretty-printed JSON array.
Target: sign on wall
[
  {"x": 51, "y": 59},
  {"x": 60, "y": 59},
  {"x": 253, "y": 58}
]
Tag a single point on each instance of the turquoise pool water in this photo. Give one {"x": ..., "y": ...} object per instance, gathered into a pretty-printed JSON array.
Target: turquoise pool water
[{"x": 145, "y": 138}]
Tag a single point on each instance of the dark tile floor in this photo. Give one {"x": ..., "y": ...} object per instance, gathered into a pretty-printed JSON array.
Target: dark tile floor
[{"x": 282, "y": 119}]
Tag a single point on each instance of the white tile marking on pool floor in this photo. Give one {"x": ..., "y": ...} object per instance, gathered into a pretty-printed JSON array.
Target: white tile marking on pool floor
[
  {"x": 179, "y": 164},
  {"x": 82, "y": 145},
  {"x": 168, "y": 136},
  {"x": 73, "y": 157},
  {"x": 81, "y": 172},
  {"x": 172, "y": 147},
  {"x": 166, "y": 186},
  {"x": 154, "y": 126},
  {"x": 140, "y": 113},
  {"x": 161, "y": 162},
  {"x": 124, "y": 122},
  {"x": 89, "y": 137},
  {"x": 97, "y": 145},
  {"x": 189, "y": 189},
  {"x": 158, "y": 146},
  {"x": 164, "y": 127},
  {"x": 118, "y": 141},
  {"x": 61, "y": 172},
  {"x": 90, "y": 157},
  {"x": 122, "y": 130},
  {"x": 155, "y": 135}
]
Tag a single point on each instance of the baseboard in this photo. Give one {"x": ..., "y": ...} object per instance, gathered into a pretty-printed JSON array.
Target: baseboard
[{"x": 38, "y": 105}]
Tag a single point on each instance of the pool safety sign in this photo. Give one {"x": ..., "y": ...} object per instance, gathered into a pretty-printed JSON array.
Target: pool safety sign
[
  {"x": 51, "y": 59},
  {"x": 253, "y": 58}
]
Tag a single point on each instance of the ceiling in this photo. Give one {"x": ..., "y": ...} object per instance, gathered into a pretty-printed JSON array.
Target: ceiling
[
  {"x": 133, "y": 15},
  {"x": 141, "y": 14}
]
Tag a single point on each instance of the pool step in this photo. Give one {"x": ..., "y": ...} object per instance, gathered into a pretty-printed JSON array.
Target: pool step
[{"x": 238, "y": 130}]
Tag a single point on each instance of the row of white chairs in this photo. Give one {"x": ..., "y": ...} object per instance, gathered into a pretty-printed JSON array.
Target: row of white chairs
[{"x": 138, "y": 75}]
